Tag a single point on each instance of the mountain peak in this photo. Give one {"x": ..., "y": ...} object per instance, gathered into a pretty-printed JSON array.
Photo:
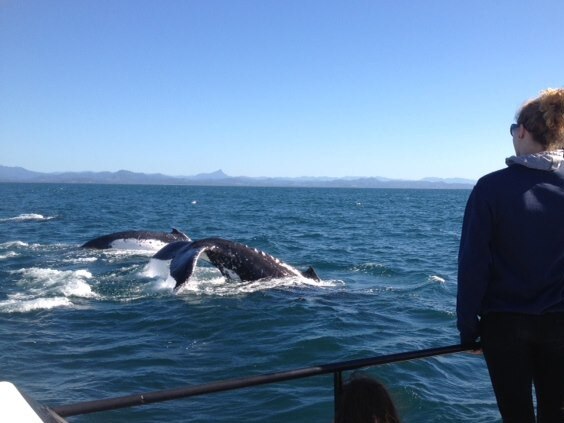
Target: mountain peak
[{"x": 218, "y": 174}]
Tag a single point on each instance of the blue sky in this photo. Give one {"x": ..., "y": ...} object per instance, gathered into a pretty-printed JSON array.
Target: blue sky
[{"x": 399, "y": 89}]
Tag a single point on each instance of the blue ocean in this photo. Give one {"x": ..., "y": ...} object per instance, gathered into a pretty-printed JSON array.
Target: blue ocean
[{"x": 79, "y": 325}]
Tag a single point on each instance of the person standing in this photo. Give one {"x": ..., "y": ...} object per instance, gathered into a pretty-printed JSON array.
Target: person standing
[{"x": 511, "y": 267}]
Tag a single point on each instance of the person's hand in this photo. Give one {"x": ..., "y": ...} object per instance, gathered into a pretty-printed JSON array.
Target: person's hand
[{"x": 475, "y": 347}]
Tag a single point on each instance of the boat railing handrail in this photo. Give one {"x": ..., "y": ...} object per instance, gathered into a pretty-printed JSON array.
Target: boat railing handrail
[{"x": 237, "y": 383}]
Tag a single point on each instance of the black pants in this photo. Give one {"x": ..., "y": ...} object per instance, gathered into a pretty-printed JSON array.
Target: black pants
[{"x": 522, "y": 350}]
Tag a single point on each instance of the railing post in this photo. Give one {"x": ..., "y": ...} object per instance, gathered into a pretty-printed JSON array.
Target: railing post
[{"x": 338, "y": 390}]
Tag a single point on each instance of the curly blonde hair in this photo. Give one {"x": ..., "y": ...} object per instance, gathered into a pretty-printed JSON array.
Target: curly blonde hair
[{"x": 543, "y": 117}]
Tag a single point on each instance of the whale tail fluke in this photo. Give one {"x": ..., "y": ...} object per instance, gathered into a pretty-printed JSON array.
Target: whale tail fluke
[
  {"x": 169, "y": 251},
  {"x": 311, "y": 274},
  {"x": 184, "y": 257},
  {"x": 182, "y": 266}
]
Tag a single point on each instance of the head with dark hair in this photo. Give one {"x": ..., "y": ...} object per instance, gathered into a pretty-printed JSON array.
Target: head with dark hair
[
  {"x": 543, "y": 117},
  {"x": 365, "y": 400}
]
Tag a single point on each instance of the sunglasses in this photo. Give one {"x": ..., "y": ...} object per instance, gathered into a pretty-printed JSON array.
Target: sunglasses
[{"x": 513, "y": 127}]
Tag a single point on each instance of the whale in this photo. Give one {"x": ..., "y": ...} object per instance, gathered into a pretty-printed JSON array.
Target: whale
[
  {"x": 232, "y": 259},
  {"x": 136, "y": 240}
]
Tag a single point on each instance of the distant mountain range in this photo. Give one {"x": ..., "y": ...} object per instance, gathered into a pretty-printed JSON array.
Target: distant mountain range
[{"x": 219, "y": 178}]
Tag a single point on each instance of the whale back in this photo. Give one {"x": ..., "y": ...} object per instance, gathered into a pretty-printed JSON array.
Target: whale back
[{"x": 135, "y": 239}]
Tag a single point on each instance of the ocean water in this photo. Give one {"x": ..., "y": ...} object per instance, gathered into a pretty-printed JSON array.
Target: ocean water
[{"x": 79, "y": 325}]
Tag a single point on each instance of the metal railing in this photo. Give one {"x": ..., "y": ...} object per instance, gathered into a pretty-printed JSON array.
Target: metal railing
[{"x": 230, "y": 384}]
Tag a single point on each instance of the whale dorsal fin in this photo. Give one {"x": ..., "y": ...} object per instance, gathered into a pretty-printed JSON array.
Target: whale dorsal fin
[
  {"x": 311, "y": 274},
  {"x": 177, "y": 232}
]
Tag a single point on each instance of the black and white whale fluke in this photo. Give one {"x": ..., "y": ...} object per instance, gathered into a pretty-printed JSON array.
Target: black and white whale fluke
[
  {"x": 231, "y": 258},
  {"x": 136, "y": 240}
]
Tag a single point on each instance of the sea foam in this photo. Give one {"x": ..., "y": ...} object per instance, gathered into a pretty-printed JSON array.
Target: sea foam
[
  {"x": 52, "y": 282},
  {"x": 24, "y": 306},
  {"x": 27, "y": 217}
]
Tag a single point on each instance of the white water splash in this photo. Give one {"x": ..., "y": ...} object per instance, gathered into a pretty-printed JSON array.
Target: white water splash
[
  {"x": 10, "y": 249},
  {"x": 437, "y": 279},
  {"x": 156, "y": 269},
  {"x": 52, "y": 276},
  {"x": 23, "y": 306},
  {"x": 27, "y": 217},
  {"x": 81, "y": 260},
  {"x": 163, "y": 284},
  {"x": 8, "y": 255},
  {"x": 208, "y": 280},
  {"x": 14, "y": 244},
  {"x": 48, "y": 288},
  {"x": 116, "y": 256}
]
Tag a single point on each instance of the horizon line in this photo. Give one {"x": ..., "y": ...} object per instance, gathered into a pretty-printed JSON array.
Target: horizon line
[{"x": 225, "y": 175}]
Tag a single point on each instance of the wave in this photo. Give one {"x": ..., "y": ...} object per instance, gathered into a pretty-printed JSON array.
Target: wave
[
  {"x": 12, "y": 249},
  {"x": 437, "y": 279},
  {"x": 13, "y": 244},
  {"x": 116, "y": 256},
  {"x": 80, "y": 260},
  {"x": 8, "y": 255},
  {"x": 44, "y": 288},
  {"x": 24, "y": 306},
  {"x": 28, "y": 217},
  {"x": 375, "y": 269},
  {"x": 219, "y": 286},
  {"x": 68, "y": 282}
]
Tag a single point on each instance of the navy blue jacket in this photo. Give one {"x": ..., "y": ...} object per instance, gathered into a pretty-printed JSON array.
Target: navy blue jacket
[{"x": 511, "y": 256}]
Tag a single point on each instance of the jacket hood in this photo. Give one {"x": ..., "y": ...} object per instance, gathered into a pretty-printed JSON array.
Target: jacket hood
[{"x": 550, "y": 161}]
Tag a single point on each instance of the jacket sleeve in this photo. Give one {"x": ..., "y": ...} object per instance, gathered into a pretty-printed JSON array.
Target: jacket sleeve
[{"x": 474, "y": 263}]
